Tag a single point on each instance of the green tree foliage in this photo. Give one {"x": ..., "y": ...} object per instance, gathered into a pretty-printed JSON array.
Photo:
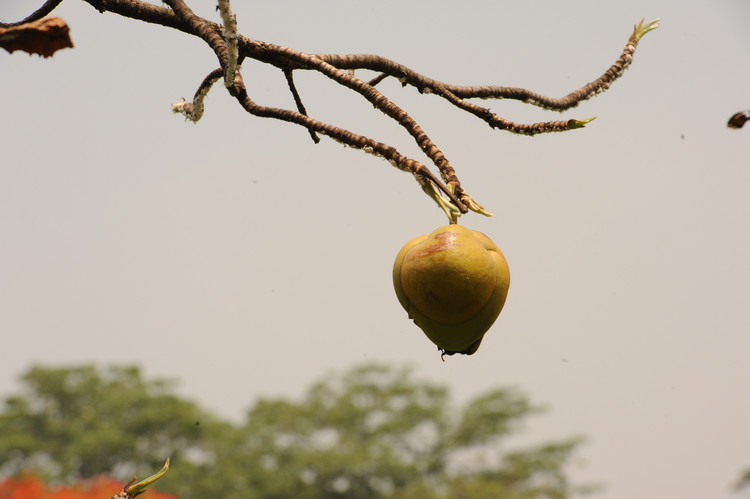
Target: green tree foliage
[
  {"x": 371, "y": 432},
  {"x": 81, "y": 422},
  {"x": 744, "y": 480}
]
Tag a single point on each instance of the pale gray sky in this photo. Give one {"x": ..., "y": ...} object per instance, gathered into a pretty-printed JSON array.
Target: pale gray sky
[{"x": 243, "y": 260}]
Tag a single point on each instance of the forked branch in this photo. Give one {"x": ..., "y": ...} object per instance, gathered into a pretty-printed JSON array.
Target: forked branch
[{"x": 231, "y": 48}]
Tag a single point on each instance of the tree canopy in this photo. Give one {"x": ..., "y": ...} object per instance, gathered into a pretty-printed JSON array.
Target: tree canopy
[
  {"x": 81, "y": 422},
  {"x": 373, "y": 431}
]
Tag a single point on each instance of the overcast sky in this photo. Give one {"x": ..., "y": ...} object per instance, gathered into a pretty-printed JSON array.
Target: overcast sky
[{"x": 240, "y": 258}]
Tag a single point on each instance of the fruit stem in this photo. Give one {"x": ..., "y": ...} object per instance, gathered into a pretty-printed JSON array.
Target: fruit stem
[{"x": 450, "y": 209}]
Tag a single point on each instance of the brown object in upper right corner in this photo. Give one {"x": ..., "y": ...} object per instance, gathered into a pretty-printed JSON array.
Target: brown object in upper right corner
[{"x": 739, "y": 119}]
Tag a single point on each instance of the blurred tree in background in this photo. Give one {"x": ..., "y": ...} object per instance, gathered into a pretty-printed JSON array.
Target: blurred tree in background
[
  {"x": 373, "y": 431},
  {"x": 744, "y": 480},
  {"x": 73, "y": 423}
]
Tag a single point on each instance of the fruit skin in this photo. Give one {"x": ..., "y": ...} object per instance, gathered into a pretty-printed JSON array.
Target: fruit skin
[{"x": 453, "y": 283}]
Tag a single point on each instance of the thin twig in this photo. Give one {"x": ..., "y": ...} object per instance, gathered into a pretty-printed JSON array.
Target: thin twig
[
  {"x": 42, "y": 11},
  {"x": 194, "y": 110},
  {"x": 298, "y": 100},
  {"x": 377, "y": 79}
]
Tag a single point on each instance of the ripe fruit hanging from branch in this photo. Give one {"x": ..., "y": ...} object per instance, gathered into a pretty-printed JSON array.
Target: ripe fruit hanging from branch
[{"x": 453, "y": 283}]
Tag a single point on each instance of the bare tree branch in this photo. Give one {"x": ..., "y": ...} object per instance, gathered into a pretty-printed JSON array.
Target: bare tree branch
[
  {"x": 45, "y": 9},
  {"x": 231, "y": 48},
  {"x": 230, "y": 36},
  {"x": 407, "y": 76}
]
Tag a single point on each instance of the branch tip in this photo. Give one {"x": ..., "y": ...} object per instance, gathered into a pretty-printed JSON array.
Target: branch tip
[
  {"x": 475, "y": 207},
  {"x": 641, "y": 29},
  {"x": 573, "y": 124},
  {"x": 134, "y": 489}
]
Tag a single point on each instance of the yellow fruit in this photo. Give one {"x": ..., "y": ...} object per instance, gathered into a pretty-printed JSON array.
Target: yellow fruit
[{"x": 453, "y": 283}]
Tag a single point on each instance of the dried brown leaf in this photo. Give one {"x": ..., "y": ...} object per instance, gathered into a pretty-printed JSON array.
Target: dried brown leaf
[
  {"x": 738, "y": 119},
  {"x": 44, "y": 37}
]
